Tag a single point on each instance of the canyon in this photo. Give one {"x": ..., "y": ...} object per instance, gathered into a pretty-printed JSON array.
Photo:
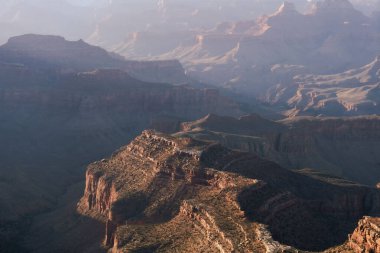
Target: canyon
[
  {"x": 189, "y": 126},
  {"x": 287, "y": 57},
  {"x": 302, "y": 63},
  {"x": 61, "y": 111}
]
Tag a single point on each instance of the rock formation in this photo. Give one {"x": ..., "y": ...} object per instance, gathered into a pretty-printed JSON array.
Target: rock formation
[
  {"x": 366, "y": 237},
  {"x": 216, "y": 200}
]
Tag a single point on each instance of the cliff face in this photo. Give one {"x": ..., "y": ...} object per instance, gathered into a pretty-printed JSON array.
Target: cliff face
[
  {"x": 366, "y": 237},
  {"x": 345, "y": 147},
  {"x": 216, "y": 200},
  {"x": 99, "y": 193}
]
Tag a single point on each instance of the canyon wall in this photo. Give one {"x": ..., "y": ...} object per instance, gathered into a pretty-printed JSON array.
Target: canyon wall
[{"x": 344, "y": 147}]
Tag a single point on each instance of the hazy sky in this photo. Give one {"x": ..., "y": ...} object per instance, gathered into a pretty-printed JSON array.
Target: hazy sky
[{"x": 109, "y": 21}]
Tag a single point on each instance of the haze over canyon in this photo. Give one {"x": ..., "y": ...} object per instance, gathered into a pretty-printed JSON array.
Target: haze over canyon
[{"x": 189, "y": 126}]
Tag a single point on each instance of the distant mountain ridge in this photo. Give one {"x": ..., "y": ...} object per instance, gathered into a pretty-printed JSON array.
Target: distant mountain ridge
[
  {"x": 54, "y": 52},
  {"x": 257, "y": 58},
  {"x": 354, "y": 92}
]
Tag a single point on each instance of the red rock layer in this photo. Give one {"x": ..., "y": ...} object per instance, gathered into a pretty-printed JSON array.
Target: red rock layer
[{"x": 366, "y": 237}]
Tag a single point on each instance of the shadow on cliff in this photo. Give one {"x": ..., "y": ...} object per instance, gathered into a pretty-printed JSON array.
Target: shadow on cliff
[
  {"x": 296, "y": 222},
  {"x": 307, "y": 210},
  {"x": 148, "y": 249},
  {"x": 130, "y": 208},
  {"x": 159, "y": 203}
]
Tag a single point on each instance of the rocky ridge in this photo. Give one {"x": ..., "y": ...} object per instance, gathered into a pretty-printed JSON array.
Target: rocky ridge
[
  {"x": 216, "y": 199},
  {"x": 366, "y": 237},
  {"x": 149, "y": 159}
]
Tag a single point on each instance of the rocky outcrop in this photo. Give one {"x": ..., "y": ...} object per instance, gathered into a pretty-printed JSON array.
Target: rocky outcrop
[
  {"x": 156, "y": 159},
  {"x": 100, "y": 194},
  {"x": 366, "y": 237},
  {"x": 216, "y": 199}
]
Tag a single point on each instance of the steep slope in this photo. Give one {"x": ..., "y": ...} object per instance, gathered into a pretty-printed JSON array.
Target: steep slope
[
  {"x": 346, "y": 147},
  {"x": 216, "y": 200}
]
